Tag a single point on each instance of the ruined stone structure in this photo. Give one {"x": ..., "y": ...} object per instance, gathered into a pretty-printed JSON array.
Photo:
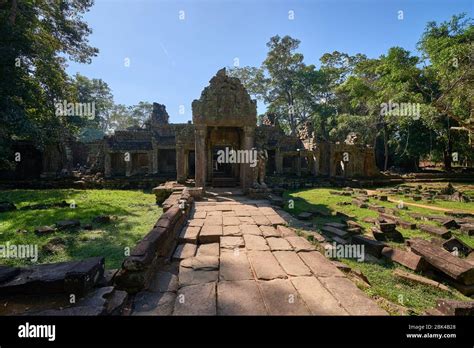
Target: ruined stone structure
[{"x": 223, "y": 117}]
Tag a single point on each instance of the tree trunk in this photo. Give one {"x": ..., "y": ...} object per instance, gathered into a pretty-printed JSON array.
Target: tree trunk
[{"x": 13, "y": 11}]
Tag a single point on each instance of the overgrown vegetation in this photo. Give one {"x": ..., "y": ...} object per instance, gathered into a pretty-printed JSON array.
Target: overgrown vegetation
[{"x": 417, "y": 298}]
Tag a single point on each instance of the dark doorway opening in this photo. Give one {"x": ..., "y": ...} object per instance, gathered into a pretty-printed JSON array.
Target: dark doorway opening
[{"x": 191, "y": 164}]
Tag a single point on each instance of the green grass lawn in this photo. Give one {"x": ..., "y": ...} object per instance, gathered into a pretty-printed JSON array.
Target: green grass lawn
[
  {"x": 415, "y": 297},
  {"x": 134, "y": 213}
]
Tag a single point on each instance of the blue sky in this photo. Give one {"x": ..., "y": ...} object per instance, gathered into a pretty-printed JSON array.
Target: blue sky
[{"x": 172, "y": 59}]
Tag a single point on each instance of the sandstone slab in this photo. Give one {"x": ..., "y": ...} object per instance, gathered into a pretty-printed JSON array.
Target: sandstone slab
[
  {"x": 196, "y": 300},
  {"x": 231, "y": 231},
  {"x": 183, "y": 251},
  {"x": 278, "y": 244},
  {"x": 319, "y": 265},
  {"x": 354, "y": 301},
  {"x": 211, "y": 249},
  {"x": 189, "y": 234},
  {"x": 210, "y": 234},
  {"x": 255, "y": 242},
  {"x": 282, "y": 298},
  {"x": 250, "y": 229},
  {"x": 239, "y": 298},
  {"x": 300, "y": 244},
  {"x": 234, "y": 265},
  {"x": 269, "y": 231},
  {"x": 265, "y": 265},
  {"x": 318, "y": 299},
  {"x": 153, "y": 303},
  {"x": 231, "y": 242},
  {"x": 291, "y": 263}
]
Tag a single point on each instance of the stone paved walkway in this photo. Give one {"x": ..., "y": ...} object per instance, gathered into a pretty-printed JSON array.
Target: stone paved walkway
[{"x": 237, "y": 257}]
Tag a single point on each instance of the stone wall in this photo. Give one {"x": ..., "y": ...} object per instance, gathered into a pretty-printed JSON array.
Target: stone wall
[{"x": 155, "y": 248}]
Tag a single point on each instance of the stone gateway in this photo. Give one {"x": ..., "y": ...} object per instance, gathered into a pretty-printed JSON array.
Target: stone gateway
[{"x": 224, "y": 119}]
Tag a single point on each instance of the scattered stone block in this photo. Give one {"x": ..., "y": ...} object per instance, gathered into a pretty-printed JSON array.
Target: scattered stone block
[
  {"x": 336, "y": 225},
  {"x": 76, "y": 277},
  {"x": 457, "y": 247},
  {"x": 417, "y": 279},
  {"x": 436, "y": 231},
  {"x": 454, "y": 267},
  {"x": 454, "y": 307},
  {"x": 101, "y": 219},
  {"x": 450, "y": 224},
  {"x": 373, "y": 247},
  {"x": 332, "y": 231},
  {"x": 7, "y": 206},
  {"x": 468, "y": 229},
  {"x": 44, "y": 230},
  {"x": 305, "y": 216},
  {"x": 405, "y": 258}
]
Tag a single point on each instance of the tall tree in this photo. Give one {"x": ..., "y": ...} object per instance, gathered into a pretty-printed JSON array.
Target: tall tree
[{"x": 36, "y": 37}]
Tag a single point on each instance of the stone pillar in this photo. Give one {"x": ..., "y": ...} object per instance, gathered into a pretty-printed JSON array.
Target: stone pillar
[
  {"x": 200, "y": 133},
  {"x": 278, "y": 161},
  {"x": 154, "y": 158},
  {"x": 107, "y": 165},
  {"x": 314, "y": 164},
  {"x": 180, "y": 164},
  {"x": 246, "y": 172},
  {"x": 298, "y": 164},
  {"x": 128, "y": 165}
]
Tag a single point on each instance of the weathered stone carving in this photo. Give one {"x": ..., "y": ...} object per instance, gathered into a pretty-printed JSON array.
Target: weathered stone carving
[
  {"x": 159, "y": 115},
  {"x": 262, "y": 158},
  {"x": 225, "y": 101}
]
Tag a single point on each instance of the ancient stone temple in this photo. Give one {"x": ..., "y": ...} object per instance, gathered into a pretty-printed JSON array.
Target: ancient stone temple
[{"x": 225, "y": 117}]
